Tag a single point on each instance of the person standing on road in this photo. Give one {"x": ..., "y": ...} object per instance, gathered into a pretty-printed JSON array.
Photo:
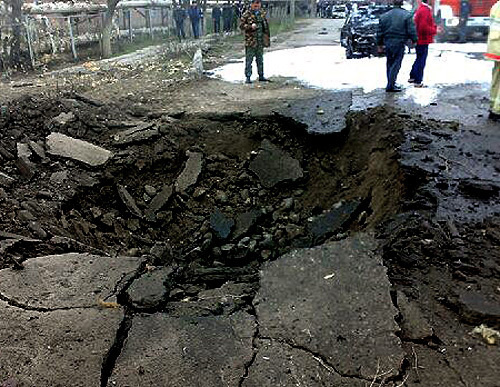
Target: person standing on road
[
  {"x": 227, "y": 16},
  {"x": 179, "y": 17},
  {"x": 395, "y": 28},
  {"x": 426, "y": 30},
  {"x": 216, "y": 14},
  {"x": 195, "y": 17},
  {"x": 256, "y": 28},
  {"x": 465, "y": 10},
  {"x": 493, "y": 53}
]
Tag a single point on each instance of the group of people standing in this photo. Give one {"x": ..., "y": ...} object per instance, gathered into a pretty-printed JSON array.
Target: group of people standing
[
  {"x": 395, "y": 29},
  {"x": 230, "y": 14}
]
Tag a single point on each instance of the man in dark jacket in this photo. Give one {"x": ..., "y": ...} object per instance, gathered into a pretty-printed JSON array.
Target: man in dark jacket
[
  {"x": 256, "y": 28},
  {"x": 195, "y": 16},
  {"x": 394, "y": 30},
  {"x": 227, "y": 16},
  {"x": 216, "y": 14},
  {"x": 179, "y": 16}
]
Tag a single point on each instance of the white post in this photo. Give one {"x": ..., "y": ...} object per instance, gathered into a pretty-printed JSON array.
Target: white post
[
  {"x": 28, "y": 36},
  {"x": 72, "y": 39}
]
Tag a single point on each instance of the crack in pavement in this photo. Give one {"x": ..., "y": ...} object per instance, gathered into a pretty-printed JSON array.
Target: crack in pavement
[
  {"x": 41, "y": 309},
  {"x": 109, "y": 360},
  {"x": 255, "y": 349},
  {"x": 317, "y": 357}
]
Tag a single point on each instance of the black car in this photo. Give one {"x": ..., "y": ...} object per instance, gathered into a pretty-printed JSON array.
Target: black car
[{"x": 359, "y": 32}]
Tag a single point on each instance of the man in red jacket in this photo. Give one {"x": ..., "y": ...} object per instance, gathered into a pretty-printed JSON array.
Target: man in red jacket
[{"x": 426, "y": 30}]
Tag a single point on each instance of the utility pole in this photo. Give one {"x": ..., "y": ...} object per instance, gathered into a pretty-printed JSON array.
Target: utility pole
[{"x": 292, "y": 10}]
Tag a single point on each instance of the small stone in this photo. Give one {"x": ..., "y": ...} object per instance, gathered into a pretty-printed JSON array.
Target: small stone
[
  {"x": 199, "y": 192},
  {"x": 245, "y": 194},
  {"x": 129, "y": 201},
  {"x": 6, "y": 180},
  {"x": 37, "y": 229},
  {"x": 26, "y": 216},
  {"x": 23, "y": 150},
  {"x": 227, "y": 248},
  {"x": 221, "y": 224},
  {"x": 63, "y": 118},
  {"x": 221, "y": 197},
  {"x": 265, "y": 254},
  {"x": 150, "y": 190},
  {"x": 287, "y": 204}
]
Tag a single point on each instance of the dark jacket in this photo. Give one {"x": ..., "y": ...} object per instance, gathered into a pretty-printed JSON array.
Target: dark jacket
[
  {"x": 227, "y": 11},
  {"x": 396, "y": 26},
  {"x": 216, "y": 13},
  {"x": 179, "y": 14},
  {"x": 194, "y": 13}
]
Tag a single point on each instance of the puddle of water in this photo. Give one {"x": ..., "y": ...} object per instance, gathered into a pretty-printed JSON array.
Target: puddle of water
[{"x": 326, "y": 67}]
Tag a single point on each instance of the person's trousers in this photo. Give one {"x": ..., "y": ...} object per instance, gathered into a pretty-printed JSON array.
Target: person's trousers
[
  {"x": 216, "y": 26},
  {"x": 196, "y": 28},
  {"x": 394, "y": 52},
  {"x": 417, "y": 70},
  {"x": 227, "y": 24},
  {"x": 258, "y": 54},
  {"x": 495, "y": 89},
  {"x": 180, "y": 29}
]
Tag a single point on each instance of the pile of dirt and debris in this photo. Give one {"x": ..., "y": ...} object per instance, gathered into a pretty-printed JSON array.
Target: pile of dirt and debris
[{"x": 124, "y": 180}]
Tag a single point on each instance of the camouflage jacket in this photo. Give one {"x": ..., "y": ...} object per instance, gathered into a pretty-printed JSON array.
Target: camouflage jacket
[{"x": 251, "y": 36}]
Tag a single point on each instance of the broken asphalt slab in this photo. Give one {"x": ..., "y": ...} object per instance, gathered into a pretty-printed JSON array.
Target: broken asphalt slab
[
  {"x": 65, "y": 281},
  {"x": 191, "y": 171},
  {"x": 57, "y": 348},
  {"x": 272, "y": 165},
  {"x": 59, "y": 144},
  {"x": 332, "y": 302},
  {"x": 161, "y": 350},
  {"x": 53, "y": 330},
  {"x": 324, "y": 114}
]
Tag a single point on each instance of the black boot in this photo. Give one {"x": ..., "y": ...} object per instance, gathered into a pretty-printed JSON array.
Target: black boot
[
  {"x": 248, "y": 80},
  {"x": 263, "y": 79}
]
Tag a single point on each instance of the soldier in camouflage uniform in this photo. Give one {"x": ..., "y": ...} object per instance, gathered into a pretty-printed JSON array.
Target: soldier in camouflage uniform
[{"x": 256, "y": 28}]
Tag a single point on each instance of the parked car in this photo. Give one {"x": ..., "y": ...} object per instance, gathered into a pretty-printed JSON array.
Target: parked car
[
  {"x": 338, "y": 12},
  {"x": 359, "y": 32}
]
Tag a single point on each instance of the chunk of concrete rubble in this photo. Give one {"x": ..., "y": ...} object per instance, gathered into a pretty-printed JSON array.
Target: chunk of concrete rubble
[
  {"x": 129, "y": 201},
  {"x": 38, "y": 149},
  {"x": 244, "y": 222},
  {"x": 159, "y": 202},
  {"x": 273, "y": 165},
  {"x": 478, "y": 308},
  {"x": 221, "y": 224},
  {"x": 192, "y": 169},
  {"x": 333, "y": 301},
  {"x": 57, "y": 348},
  {"x": 414, "y": 326},
  {"x": 6, "y": 180},
  {"x": 279, "y": 364},
  {"x": 63, "y": 118},
  {"x": 66, "y": 281},
  {"x": 23, "y": 150},
  {"x": 142, "y": 132},
  {"x": 322, "y": 226},
  {"x": 59, "y": 144},
  {"x": 25, "y": 167},
  {"x": 185, "y": 351},
  {"x": 149, "y": 290},
  {"x": 320, "y": 115}
]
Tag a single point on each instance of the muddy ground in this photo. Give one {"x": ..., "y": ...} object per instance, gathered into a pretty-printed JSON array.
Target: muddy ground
[{"x": 192, "y": 184}]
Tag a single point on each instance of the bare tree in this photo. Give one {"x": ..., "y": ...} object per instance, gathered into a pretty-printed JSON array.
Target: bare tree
[{"x": 107, "y": 28}]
